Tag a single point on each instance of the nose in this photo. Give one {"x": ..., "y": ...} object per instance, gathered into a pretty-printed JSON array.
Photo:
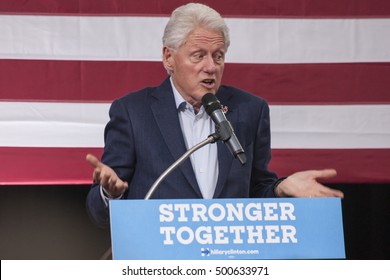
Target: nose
[{"x": 209, "y": 64}]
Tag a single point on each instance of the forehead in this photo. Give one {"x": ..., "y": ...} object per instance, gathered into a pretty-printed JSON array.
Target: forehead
[{"x": 205, "y": 37}]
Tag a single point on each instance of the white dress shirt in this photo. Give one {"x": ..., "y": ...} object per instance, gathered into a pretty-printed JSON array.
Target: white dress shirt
[{"x": 196, "y": 128}]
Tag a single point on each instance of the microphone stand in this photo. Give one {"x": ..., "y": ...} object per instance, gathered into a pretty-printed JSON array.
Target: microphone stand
[{"x": 210, "y": 139}]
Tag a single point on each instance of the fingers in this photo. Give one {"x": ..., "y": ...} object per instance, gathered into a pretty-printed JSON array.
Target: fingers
[
  {"x": 106, "y": 177},
  {"x": 323, "y": 174},
  {"x": 92, "y": 160},
  {"x": 115, "y": 186},
  {"x": 102, "y": 174},
  {"x": 306, "y": 184},
  {"x": 328, "y": 192},
  {"x": 112, "y": 184}
]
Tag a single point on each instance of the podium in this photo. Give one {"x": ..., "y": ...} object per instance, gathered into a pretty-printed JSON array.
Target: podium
[{"x": 269, "y": 228}]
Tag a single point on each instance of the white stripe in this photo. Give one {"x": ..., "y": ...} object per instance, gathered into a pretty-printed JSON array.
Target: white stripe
[
  {"x": 81, "y": 38},
  {"x": 309, "y": 40},
  {"x": 330, "y": 126},
  {"x": 34, "y": 124},
  {"x": 139, "y": 38}
]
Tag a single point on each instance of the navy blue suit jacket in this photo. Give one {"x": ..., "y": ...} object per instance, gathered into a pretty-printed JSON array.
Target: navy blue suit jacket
[{"x": 143, "y": 138}]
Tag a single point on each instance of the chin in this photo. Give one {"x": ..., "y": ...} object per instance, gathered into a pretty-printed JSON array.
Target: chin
[{"x": 211, "y": 90}]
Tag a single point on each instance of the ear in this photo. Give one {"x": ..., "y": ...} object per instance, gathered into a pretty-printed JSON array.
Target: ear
[{"x": 168, "y": 59}]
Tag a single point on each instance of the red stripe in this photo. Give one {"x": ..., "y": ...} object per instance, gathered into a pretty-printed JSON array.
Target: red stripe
[
  {"x": 45, "y": 166},
  {"x": 103, "y": 81},
  {"x": 348, "y": 83},
  {"x": 352, "y": 165},
  {"x": 75, "y": 80},
  {"x": 39, "y": 166},
  {"x": 249, "y": 8}
]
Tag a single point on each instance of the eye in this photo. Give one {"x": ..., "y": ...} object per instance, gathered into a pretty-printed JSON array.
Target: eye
[
  {"x": 197, "y": 57},
  {"x": 219, "y": 58}
]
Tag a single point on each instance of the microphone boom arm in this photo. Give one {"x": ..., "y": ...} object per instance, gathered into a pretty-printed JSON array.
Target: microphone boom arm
[{"x": 210, "y": 139}]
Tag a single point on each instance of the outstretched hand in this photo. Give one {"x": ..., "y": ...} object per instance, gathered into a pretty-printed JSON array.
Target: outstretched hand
[
  {"x": 106, "y": 177},
  {"x": 305, "y": 184}
]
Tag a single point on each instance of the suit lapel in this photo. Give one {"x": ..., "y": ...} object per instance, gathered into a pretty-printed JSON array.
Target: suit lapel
[{"x": 165, "y": 113}]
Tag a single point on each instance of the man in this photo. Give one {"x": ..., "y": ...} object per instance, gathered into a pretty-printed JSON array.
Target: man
[{"x": 150, "y": 129}]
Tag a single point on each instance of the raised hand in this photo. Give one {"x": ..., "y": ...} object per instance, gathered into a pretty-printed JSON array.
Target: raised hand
[
  {"x": 106, "y": 177},
  {"x": 305, "y": 184}
]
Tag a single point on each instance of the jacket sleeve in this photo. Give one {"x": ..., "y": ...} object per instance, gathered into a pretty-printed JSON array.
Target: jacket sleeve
[
  {"x": 118, "y": 154},
  {"x": 263, "y": 180}
]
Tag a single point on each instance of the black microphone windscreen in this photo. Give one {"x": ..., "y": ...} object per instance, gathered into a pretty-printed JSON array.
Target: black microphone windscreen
[{"x": 210, "y": 103}]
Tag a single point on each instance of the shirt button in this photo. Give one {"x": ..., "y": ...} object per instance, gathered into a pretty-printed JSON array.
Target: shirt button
[{"x": 201, "y": 170}]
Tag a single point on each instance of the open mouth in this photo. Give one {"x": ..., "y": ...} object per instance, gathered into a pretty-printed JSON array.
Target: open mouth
[{"x": 208, "y": 82}]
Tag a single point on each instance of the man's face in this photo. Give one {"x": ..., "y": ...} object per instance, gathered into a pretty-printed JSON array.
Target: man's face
[{"x": 197, "y": 66}]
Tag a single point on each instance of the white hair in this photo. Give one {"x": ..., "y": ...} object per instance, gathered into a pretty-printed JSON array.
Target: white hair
[{"x": 188, "y": 17}]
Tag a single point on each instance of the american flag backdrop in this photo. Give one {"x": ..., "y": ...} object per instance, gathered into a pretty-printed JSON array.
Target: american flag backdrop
[{"x": 323, "y": 66}]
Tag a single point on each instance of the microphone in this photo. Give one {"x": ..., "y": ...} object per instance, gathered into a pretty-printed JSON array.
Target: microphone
[{"x": 223, "y": 127}]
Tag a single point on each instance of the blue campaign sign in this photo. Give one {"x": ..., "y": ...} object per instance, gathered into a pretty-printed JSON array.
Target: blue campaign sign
[{"x": 281, "y": 228}]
